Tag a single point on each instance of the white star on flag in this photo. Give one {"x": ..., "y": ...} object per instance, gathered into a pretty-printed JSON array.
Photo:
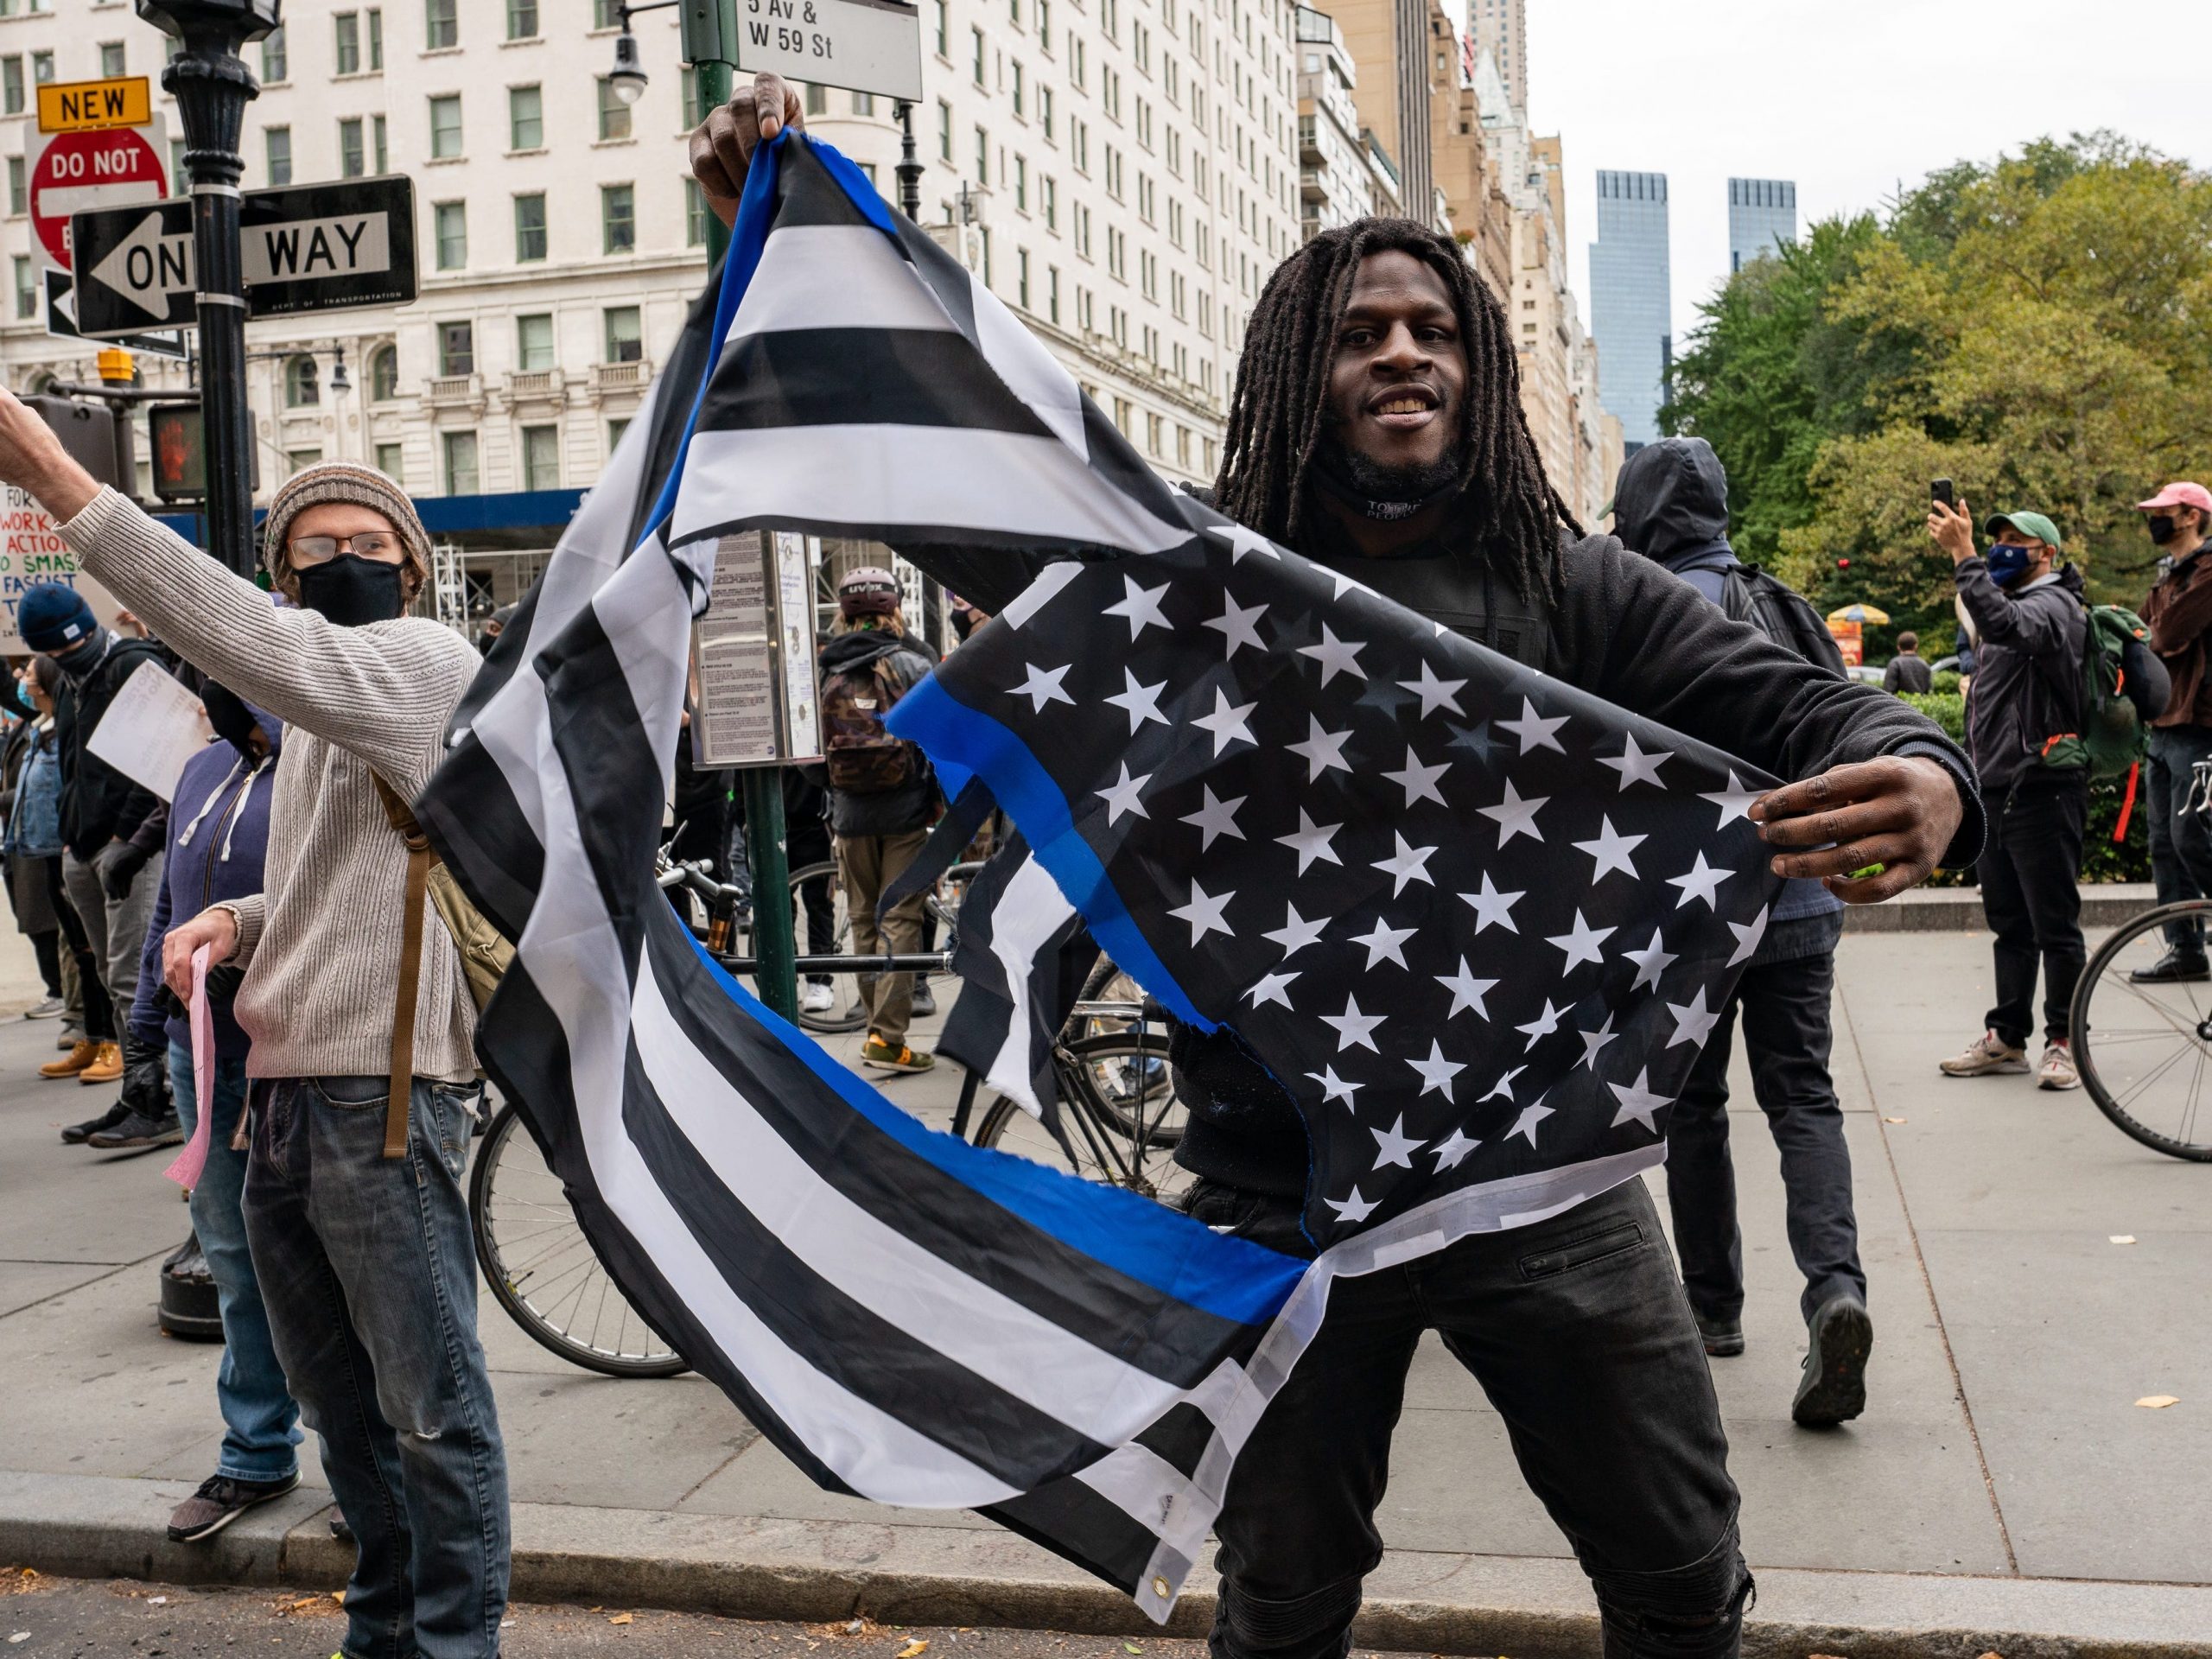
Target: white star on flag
[
  {"x": 1748, "y": 935},
  {"x": 1352, "y": 1209},
  {"x": 1700, "y": 880},
  {"x": 1594, "y": 1041},
  {"x": 1384, "y": 941},
  {"x": 1122, "y": 796},
  {"x": 1227, "y": 724},
  {"x": 1141, "y": 607},
  {"x": 1436, "y": 1071},
  {"x": 1322, "y": 750},
  {"x": 1467, "y": 991},
  {"x": 1408, "y": 863},
  {"x": 1353, "y": 1028},
  {"x": 1534, "y": 731},
  {"x": 1216, "y": 818},
  {"x": 1733, "y": 800},
  {"x": 1140, "y": 703},
  {"x": 1204, "y": 913},
  {"x": 1638, "y": 1101},
  {"x": 1610, "y": 850},
  {"x": 1650, "y": 963},
  {"x": 1334, "y": 1087},
  {"x": 1503, "y": 1089},
  {"x": 1692, "y": 1025},
  {"x": 1433, "y": 693},
  {"x": 1543, "y": 1025},
  {"x": 1451, "y": 1149},
  {"x": 1240, "y": 541},
  {"x": 1336, "y": 655},
  {"x": 1525, "y": 1125},
  {"x": 1393, "y": 1145},
  {"x": 1515, "y": 815},
  {"x": 1270, "y": 988},
  {"x": 1493, "y": 906},
  {"x": 1042, "y": 686},
  {"x": 1296, "y": 932},
  {"x": 1418, "y": 780},
  {"x": 1637, "y": 766},
  {"x": 1349, "y": 584},
  {"x": 1581, "y": 944},
  {"x": 1235, "y": 626},
  {"x": 1310, "y": 841}
]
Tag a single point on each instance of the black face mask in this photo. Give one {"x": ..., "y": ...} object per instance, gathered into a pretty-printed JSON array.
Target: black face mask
[
  {"x": 233, "y": 721},
  {"x": 2161, "y": 525},
  {"x": 1385, "y": 494},
  {"x": 351, "y": 591}
]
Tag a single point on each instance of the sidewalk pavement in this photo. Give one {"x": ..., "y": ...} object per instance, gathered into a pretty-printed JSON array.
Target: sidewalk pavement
[{"x": 2003, "y": 1492}]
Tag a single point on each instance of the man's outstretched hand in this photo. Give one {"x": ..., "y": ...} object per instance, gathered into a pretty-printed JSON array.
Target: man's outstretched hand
[
  {"x": 1899, "y": 811},
  {"x": 722, "y": 146}
]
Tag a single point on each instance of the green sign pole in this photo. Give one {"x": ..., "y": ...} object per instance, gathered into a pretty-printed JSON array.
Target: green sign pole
[{"x": 709, "y": 42}]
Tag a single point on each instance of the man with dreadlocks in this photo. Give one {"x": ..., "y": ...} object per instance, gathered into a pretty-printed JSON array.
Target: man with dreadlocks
[{"x": 1377, "y": 427}]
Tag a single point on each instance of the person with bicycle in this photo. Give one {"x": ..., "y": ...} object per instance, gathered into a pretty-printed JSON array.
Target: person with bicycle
[
  {"x": 883, "y": 797},
  {"x": 2030, "y": 631},
  {"x": 355, "y": 1215},
  {"x": 1377, "y": 427},
  {"x": 2178, "y": 611}
]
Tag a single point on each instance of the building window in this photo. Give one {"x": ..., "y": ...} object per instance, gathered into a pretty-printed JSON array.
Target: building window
[
  {"x": 605, "y": 14},
  {"x": 1051, "y": 193},
  {"x": 695, "y": 109},
  {"x": 530, "y": 228},
  {"x": 817, "y": 99},
  {"x": 525, "y": 118},
  {"x": 1153, "y": 428},
  {"x": 26, "y": 288},
  {"x": 112, "y": 59},
  {"x": 522, "y": 19},
  {"x": 451, "y": 220},
  {"x": 279, "y": 142},
  {"x": 1017, "y": 88},
  {"x": 613, "y": 113},
  {"x": 943, "y": 127},
  {"x": 625, "y": 340},
  {"x": 695, "y": 212},
  {"x": 298, "y": 460},
  {"x": 1020, "y": 185},
  {"x": 1022, "y": 277},
  {"x": 376, "y": 37},
  {"x": 41, "y": 68},
  {"x": 541, "y": 457},
  {"x": 864, "y": 103},
  {"x": 352, "y": 160},
  {"x": 441, "y": 27},
  {"x": 390, "y": 463},
  {"x": 1044, "y": 111},
  {"x": 534, "y": 341},
  {"x": 11, "y": 85},
  {"x": 617, "y": 219},
  {"x": 376, "y": 143},
  {"x": 461, "y": 462},
  {"x": 1052, "y": 293},
  {"x": 18, "y": 197},
  {"x": 302, "y": 386},
  {"x": 982, "y": 156},
  {"x": 275, "y": 60},
  {"x": 976, "y": 67},
  {"x": 616, "y": 429},
  {"x": 943, "y": 47},
  {"x": 383, "y": 374},
  {"x": 345, "y": 28},
  {"x": 445, "y": 127},
  {"x": 456, "y": 348}
]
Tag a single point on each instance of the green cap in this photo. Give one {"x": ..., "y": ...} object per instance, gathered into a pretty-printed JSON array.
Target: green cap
[{"x": 2028, "y": 524}]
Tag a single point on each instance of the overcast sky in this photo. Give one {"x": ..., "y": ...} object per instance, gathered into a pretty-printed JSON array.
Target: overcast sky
[{"x": 1847, "y": 99}]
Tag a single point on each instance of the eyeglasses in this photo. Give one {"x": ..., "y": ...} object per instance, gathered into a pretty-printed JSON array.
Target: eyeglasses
[{"x": 369, "y": 544}]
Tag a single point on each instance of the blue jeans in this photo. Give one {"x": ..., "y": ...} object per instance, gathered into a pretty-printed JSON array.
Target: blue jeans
[
  {"x": 260, "y": 1419},
  {"x": 369, "y": 1272}
]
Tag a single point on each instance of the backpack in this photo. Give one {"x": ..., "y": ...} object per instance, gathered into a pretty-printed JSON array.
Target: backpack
[
  {"x": 861, "y": 757},
  {"x": 1751, "y": 594},
  {"x": 2115, "y": 731}
]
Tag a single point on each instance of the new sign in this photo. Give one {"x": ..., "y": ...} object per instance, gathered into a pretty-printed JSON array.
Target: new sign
[
  {"x": 308, "y": 248},
  {"x": 86, "y": 169}
]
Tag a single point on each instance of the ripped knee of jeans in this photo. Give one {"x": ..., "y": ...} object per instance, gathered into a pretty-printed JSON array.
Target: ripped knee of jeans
[
  {"x": 1685, "y": 1612},
  {"x": 1317, "y": 1623}
]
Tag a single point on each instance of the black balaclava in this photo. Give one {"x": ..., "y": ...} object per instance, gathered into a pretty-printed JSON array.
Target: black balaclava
[
  {"x": 233, "y": 721},
  {"x": 353, "y": 591},
  {"x": 1385, "y": 494}
]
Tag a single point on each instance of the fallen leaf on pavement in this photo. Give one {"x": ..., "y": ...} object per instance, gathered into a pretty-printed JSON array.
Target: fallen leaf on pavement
[
  {"x": 2121, "y": 1238},
  {"x": 2159, "y": 1401},
  {"x": 338, "y": 1596},
  {"x": 1887, "y": 1119},
  {"x": 158, "y": 1601},
  {"x": 914, "y": 1647},
  {"x": 20, "y": 1635},
  {"x": 1992, "y": 1655},
  {"x": 619, "y": 1618}
]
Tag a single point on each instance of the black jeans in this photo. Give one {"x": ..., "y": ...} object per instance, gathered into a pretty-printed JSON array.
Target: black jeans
[
  {"x": 1788, "y": 1036},
  {"x": 2180, "y": 841},
  {"x": 2030, "y": 891},
  {"x": 1576, "y": 1329}
]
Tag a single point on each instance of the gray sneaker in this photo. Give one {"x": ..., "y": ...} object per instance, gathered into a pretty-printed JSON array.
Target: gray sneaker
[
  {"x": 1987, "y": 1057},
  {"x": 2058, "y": 1070},
  {"x": 52, "y": 1009}
]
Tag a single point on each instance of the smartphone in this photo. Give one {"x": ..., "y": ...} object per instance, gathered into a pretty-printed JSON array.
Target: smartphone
[{"x": 1940, "y": 490}]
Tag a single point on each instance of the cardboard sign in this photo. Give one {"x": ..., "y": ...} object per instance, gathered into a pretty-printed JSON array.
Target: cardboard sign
[
  {"x": 32, "y": 551},
  {"x": 150, "y": 730}
]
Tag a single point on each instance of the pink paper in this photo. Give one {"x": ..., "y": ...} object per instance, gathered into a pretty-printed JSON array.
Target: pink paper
[{"x": 185, "y": 1172}]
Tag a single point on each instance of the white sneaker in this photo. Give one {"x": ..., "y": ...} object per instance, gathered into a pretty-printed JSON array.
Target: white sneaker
[
  {"x": 816, "y": 998},
  {"x": 1986, "y": 1056},
  {"x": 2058, "y": 1070}
]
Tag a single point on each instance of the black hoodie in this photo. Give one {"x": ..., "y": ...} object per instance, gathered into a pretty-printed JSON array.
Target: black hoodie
[
  {"x": 1671, "y": 503},
  {"x": 2027, "y": 673}
]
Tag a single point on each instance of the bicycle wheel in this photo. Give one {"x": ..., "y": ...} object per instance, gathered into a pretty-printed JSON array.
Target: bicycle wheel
[
  {"x": 2144, "y": 1051},
  {"x": 814, "y": 882},
  {"x": 1118, "y": 1101},
  {"x": 544, "y": 1271}
]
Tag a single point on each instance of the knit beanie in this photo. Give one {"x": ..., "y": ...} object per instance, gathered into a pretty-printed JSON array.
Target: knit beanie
[
  {"x": 53, "y": 616},
  {"x": 354, "y": 484}
]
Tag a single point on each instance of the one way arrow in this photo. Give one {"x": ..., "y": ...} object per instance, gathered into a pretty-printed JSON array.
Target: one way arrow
[{"x": 146, "y": 267}]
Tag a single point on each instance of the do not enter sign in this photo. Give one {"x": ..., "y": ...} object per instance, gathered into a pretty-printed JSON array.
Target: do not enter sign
[{"x": 78, "y": 172}]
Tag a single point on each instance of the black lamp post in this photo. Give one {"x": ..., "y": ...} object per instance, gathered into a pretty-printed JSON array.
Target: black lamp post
[{"x": 212, "y": 87}]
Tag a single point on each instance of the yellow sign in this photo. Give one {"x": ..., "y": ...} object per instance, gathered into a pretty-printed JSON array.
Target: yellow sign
[{"x": 89, "y": 105}]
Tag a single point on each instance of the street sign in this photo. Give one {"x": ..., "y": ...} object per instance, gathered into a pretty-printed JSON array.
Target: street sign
[
  {"x": 864, "y": 46},
  {"x": 62, "y": 320},
  {"x": 81, "y": 172},
  {"x": 314, "y": 247},
  {"x": 93, "y": 105}
]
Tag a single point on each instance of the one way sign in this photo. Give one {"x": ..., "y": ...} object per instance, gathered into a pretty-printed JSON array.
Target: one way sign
[{"x": 308, "y": 248}]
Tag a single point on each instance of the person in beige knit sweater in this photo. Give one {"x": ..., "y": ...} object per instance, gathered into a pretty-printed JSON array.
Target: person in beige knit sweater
[{"x": 365, "y": 1260}]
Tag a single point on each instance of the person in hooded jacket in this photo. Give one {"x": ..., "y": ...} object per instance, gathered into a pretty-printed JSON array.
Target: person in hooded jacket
[
  {"x": 1671, "y": 505},
  {"x": 219, "y": 839},
  {"x": 2031, "y": 630}
]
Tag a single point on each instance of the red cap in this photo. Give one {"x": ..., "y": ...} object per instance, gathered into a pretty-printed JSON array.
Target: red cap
[{"x": 2179, "y": 495}]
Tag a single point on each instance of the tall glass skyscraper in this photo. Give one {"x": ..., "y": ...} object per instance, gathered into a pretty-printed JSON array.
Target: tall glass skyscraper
[
  {"x": 1631, "y": 304},
  {"x": 1761, "y": 213}
]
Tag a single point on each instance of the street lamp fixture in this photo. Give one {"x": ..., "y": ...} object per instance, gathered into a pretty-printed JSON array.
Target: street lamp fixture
[{"x": 628, "y": 78}]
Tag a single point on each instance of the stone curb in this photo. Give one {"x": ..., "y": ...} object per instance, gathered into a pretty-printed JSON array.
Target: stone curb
[
  {"x": 1958, "y": 910},
  {"x": 817, "y": 1571}
]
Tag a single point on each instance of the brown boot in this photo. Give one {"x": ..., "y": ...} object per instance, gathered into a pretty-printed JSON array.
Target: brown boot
[
  {"x": 106, "y": 1067},
  {"x": 76, "y": 1060}
]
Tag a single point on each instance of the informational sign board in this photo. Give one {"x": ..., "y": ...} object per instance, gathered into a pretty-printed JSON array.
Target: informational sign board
[
  {"x": 62, "y": 320},
  {"x": 83, "y": 170},
  {"x": 32, "y": 551},
  {"x": 95, "y": 105},
  {"x": 864, "y": 46},
  {"x": 314, "y": 247},
  {"x": 758, "y": 702},
  {"x": 151, "y": 729}
]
